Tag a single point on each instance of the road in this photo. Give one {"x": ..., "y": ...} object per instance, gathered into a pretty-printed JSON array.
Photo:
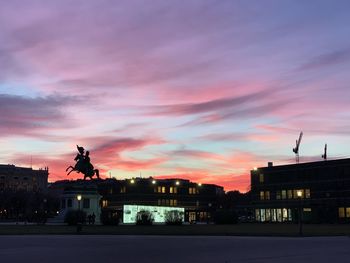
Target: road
[{"x": 80, "y": 249}]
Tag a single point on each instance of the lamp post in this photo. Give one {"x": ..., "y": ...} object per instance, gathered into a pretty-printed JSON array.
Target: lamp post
[
  {"x": 300, "y": 217},
  {"x": 79, "y": 223}
]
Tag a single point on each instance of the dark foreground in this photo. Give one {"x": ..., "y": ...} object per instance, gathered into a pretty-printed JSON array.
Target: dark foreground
[
  {"x": 85, "y": 248},
  {"x": 206, "y": 230}
]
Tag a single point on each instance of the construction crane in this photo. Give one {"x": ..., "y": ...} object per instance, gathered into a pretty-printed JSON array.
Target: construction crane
[
  {"x": 296, "y": 149},
  {"x": 324, "y": 155}
]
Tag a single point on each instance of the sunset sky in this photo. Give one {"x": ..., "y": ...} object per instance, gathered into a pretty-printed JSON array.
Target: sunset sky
[{"x": 200, "y": 90}]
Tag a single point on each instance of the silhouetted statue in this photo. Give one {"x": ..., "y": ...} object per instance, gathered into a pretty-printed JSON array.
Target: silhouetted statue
[{"x": 83, "y": 164}]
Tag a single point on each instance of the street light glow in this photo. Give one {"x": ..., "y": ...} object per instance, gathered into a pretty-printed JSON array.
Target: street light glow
[
  {"x": 132, "y": 181},
  {"x": 79, "y": 197},
  {"x": 177, "y": 183},
  {"x": 154, "y": 182}
]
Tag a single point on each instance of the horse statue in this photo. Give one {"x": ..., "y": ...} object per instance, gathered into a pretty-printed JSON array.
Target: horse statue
[{"x": 83, "y": 165}]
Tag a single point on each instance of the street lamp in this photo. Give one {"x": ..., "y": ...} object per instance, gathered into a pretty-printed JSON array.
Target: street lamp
[
  {"x": 79, "y": 223},
  {"x": 300, "y": 196}
]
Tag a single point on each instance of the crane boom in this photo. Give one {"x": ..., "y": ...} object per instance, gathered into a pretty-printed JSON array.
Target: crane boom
[
  {"x": 296, "y": 149},
  {"x": 324, "y": 155}
]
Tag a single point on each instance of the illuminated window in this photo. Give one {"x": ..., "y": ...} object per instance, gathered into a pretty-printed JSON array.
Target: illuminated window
[
  {"x": 123, "y": 189},
  {"x": 290, "y": 194},
  {"x": 279, "y": 215},
  {"x": 173, "y": 190},
  {"x": 175, "y": 202},
  {"x": 278, "y": 194},
  {"x": 104, "y": 203},
  {"x": 273, "y": 212},
  {"x": 262, "y": 195},
  {"x": 284, "y": 194},
  {"x": 268, "y": 215},
  {"x": 163, "y": 189},
  {"x": 262, "y": 215},
  {"x": 192, "y": 190},
  {"x": 307, "y": 193},
  {"x": 159, "y": 189},
  {"x": 267, "y": 195},
  {"x": 284, "y": 214},
  {"x": 171, "y": 202},
  {"x": 257, "y": 214},
  {"x": 261, "y": 178},
  {"x": 341, "y": 212},
  {"x": 347, "y": 212},
  {"x": 307, "y": 209},
  {"x": 295, "y": 193}
]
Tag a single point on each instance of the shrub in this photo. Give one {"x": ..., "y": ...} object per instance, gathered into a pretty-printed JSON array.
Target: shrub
[
  {"x": 174, "y": 217},
  {"x": 144, "y": 218},
  {"x": 225, "y": 217},
  {"x": 73, "y": 217},
  {"x": 109, "y": 218}
]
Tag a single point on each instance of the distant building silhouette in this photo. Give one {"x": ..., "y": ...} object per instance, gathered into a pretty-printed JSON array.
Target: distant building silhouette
[{"x": 15, "y": 178}]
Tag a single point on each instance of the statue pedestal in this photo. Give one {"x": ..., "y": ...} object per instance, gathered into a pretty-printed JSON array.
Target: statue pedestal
[{"x": 89, "y": 201}]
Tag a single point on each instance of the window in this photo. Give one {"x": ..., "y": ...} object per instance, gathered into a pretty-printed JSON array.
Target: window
[
  {"x": 341, "y": 212},
  {"x": 173, "y": 190},
  {"x": 268, "y": 215},
  {"x": 123, "y": 189},
  {"x": 159, "y": 202},
  {"x": 284, "y": 194},
  {"x": 261, "y": 178},
  {"x": 307, "y": 209},
  {"x": 284, "y": 214},
  {"x": 86, "y": 203},
  {"x": 278, "y": 194},
  {"x": 262, "y": 215},
  {"x": 192, "y": 190},
  {"x": 159, "y": 189},
  {"x": 262, "y": 195},
  {"x": 175, "y": 202},
  {"x": 104, "y": 203},
  {"x": 295, "y": 193},
  {"x": 257, "y": 214},
  {"x": 279, "y": 215},
  {"x": 163, "y": 190},
  {"x": 290, "y": 194},
  {"x": 69, "y": 203},
  {"x": 347, "y": 210},
  {"x": 307, "y": 193},
  {"x": 267, "y": 195}
]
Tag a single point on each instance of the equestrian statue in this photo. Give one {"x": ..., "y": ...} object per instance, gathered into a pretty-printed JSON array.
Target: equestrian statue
[{"x": 83, "y": 165}]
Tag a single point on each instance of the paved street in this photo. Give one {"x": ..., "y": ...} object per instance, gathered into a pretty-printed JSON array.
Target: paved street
[{"x": 106, "y": 249}]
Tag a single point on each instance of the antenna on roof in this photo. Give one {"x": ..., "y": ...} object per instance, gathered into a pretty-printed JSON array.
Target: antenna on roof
[
  {"x": 296, "y": 149},
  {"x": 324, "y": 155}
]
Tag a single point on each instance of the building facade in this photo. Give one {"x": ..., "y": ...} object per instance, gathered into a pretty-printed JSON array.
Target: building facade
[
  {"x": 319, "y": 192},
  {"x": 15, "y": 178},
  {"x": 199, "y": 201}
]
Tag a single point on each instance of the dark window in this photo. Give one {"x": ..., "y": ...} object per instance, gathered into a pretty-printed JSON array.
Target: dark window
[
  {"x": 69, "y": 203},
  {"x": 86, "y": 203},
  {"x": 63, "y": 204}
]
